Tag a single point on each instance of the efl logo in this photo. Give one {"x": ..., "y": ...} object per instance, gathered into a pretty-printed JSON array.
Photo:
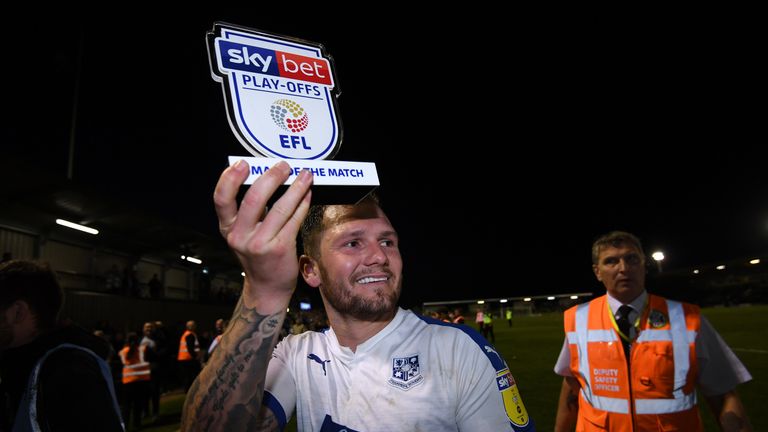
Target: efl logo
[
  {"x": 296, "y": 122},
  {"x": 272, "y": 87}
]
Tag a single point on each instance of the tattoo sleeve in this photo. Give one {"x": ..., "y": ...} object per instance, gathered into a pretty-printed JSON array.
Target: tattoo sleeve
[{"x": 227, "y": 393}]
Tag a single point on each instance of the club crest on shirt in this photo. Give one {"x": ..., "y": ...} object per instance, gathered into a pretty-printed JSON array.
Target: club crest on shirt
[
  {"x": 406, "y": 372},
  {"x": 657, "y": 319}
]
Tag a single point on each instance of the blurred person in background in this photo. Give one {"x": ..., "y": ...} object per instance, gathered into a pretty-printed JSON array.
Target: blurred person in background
[
  {"x": 51, "y": 378},
  {"x": 220, "y": 325},
  {"x": 137, "y": 376},
  {"x": 148, "y": 341},
  {"x": 458, "y": 317},
  {"x": 189, "y": 357}
]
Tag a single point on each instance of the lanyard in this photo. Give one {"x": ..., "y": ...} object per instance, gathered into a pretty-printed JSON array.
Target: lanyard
[{"x": 637, "y": 320}]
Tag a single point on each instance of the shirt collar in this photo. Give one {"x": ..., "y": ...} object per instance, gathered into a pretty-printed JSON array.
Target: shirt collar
[
  {"x": 636, "y": 304},
  {"x": 347, "y": 354}
]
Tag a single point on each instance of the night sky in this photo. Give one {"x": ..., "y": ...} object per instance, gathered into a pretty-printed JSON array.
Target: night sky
[{"x": 504, "y": 145}]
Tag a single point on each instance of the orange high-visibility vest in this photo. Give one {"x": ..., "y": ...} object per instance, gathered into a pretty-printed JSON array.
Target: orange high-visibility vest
[
  {"x": 184, "y": 351},
  {"x": 658, "y": 393},
  {"x": 135, "y": 368}
]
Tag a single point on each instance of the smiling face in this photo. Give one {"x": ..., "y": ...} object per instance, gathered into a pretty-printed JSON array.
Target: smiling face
[
  {"x": 621, "y": 268},
  {"x": 357, "y": 267}
]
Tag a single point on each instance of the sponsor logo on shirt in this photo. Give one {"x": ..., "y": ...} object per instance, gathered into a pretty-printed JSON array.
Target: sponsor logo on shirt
[
  {"x": 513, "y": 404},
  {"x": 406, "y": 372},
  {"x": 317, "y": 359}
]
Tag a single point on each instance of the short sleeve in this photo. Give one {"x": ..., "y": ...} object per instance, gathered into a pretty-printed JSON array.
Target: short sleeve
[
  {"x": 280, "y": 386},
  {"x": 720, "y": 371},
  {"x": 489, "y": 398},
  {"x": 563, "y": 365}
]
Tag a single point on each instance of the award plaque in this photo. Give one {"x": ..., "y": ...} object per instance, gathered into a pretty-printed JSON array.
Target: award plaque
[{"x": 281, "y": 99}]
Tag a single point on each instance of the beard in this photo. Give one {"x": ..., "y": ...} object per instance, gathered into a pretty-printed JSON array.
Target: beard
[{"x": 342, "y": 298}]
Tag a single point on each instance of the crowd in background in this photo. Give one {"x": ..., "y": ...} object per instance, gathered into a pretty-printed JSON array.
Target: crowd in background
[{"x": 157, "y": 358}]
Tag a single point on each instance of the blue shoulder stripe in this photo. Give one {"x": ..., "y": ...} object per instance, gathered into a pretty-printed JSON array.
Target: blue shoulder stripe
[
  {"x": 493, "y": 356},
  {"x": 272, "y": 403}
]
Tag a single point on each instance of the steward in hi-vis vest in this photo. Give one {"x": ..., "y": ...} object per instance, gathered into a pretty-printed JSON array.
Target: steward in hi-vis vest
[
  {"x": 656, "y": 386},
  {"x": 632, "y": 361},
  {"x": 135, "y": 366},
  {"x": 137, "y": 378},
  {"x": 186, "y": 352},
  {"x": 189, "y": 355}
]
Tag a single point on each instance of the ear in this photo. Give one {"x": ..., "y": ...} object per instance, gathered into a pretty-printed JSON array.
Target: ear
[
  {"x": 597, "y": 272},
  {"x": 310, "y": 271},
  {"x": 18, "y": 312}
]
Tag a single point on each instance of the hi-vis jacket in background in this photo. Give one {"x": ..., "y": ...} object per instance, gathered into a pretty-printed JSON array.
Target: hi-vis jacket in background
[
  {"x": 655, "y": 389},
  {"x": 187, "y": 353},
  {"x": 135, "y": 367}
]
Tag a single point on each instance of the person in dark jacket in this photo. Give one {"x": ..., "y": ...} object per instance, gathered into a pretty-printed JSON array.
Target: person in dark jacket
[{"x": 57, "y": 372}]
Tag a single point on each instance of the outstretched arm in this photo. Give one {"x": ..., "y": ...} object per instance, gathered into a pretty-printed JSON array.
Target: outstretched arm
[
  {"x": 228, "y": 391},
  {"x": 730, "y": 412},
  {"x": 568, "y": 405}
]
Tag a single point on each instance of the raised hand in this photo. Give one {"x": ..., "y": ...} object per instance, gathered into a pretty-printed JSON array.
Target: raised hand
[
  {"x": 227, "y": 393},
  {"x": 264, "y": 242}
]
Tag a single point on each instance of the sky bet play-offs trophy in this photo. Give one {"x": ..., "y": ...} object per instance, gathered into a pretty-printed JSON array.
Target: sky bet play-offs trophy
[{"x": 280, "y": 94}]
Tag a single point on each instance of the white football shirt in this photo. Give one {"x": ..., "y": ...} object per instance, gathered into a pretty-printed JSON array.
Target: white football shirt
[{"x": 416, "y": 374}]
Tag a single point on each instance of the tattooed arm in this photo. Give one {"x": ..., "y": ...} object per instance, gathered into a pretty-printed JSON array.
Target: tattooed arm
[
  {"x": 568, "y": 406},
  {"x": 228, "y": 391},
  {"x": 227, "y": 394}
]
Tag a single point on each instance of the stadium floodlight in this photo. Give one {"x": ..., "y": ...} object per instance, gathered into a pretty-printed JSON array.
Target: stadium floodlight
[
  {"x": 658, "y": 256},
  {"x": 527, "y": 299},
  {"x": 720, "y": 267},
  {"x": 695, "y": 271},
  {"x": 503, "y": 301},
  {"x": 194, "y": 260},
  {"x": 551, "y": 298},
  {"x": 78, "y": 227},
  {"x": 481, "y": 302},
  {"x": 755, "y": 261},
  {"x": 574, "y": 297}
]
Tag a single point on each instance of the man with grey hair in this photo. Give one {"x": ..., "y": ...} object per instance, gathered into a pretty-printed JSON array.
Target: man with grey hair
[{"x": 632, "y": 360}]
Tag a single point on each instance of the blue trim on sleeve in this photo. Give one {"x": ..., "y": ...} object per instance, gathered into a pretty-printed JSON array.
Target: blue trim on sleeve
[
  {"x": 530, "y": 427},
  {"x": 494, "y": 357},
  {"x": 272, "y": 403},
  {"x": 330, "y": 426}
]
